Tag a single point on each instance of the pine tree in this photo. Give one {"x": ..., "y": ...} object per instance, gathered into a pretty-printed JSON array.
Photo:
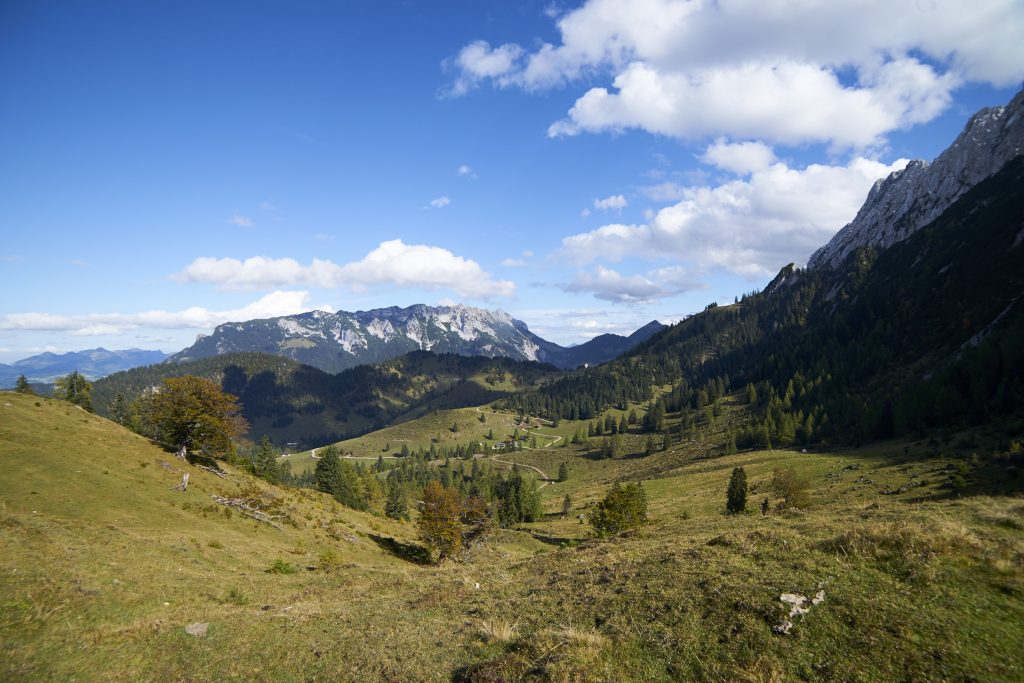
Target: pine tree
[
  {"x": 563, "y": 472},
  {"x": 397, "y": 505},
  {"x": 625, "y": 507},
  {"x": 22, "y": 386},
  {"x": 264, "y": 461},
  {"x": 327, "y": 470},
  {"x": 652, "y": 447},
  {"x": 566, "y": 505},
  {"x": 74, "y": 388},
  {"x": 736, "y": 495}
]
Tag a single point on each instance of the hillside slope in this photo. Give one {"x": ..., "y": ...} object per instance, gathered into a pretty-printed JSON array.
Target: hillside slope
[
  {"x": 103, "y": 567},
  {"x": 926, "y": 333},
  {"x": 292, "y": 402}
]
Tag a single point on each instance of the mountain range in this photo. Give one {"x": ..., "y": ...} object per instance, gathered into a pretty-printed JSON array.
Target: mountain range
[
  {"x": 337, "y": 341},
  {"x": 93, "y": 363}
]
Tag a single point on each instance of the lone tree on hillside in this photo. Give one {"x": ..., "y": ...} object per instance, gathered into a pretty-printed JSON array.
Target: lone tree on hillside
[
  {"x": 74, "y": 388},
  {"x": 625, "y": 507},
  {"x": 736, "y": 495},
  {"x": 563, "y": 471},
  {"x": 22, "y": 386},
  {"x": 439, "y": 523},
  {"x": 193, "y": 413}
]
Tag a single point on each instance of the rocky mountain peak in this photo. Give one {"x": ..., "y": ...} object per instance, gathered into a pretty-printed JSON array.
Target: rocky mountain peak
[{"x": 909, "y": 199}]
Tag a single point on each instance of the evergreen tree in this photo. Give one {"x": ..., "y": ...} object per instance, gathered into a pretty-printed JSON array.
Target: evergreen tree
[
  {"x": 563, "y": 471},
  {"x": 327, "y": 472},
  {"x": 566, "y": 505},
  {"x": 74, "y": 388},
  {"x": 736, "y": 495},
  {"x": 22, "y": 386},
  {"x": 264, "y": 461},
  {"x": 652, "y": 446},
  {"x": 397, "y": 504},
  {"x": 119, "y": 409},
  {"x": 625, "y": 507}
]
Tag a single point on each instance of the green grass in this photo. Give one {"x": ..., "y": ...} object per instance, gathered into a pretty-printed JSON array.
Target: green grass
[{"x": 102, "y": 566}]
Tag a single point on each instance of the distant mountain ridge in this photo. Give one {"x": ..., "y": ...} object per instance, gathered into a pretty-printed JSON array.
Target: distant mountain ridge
[
  {"x": 908, "y": 200},
  {"x": 93, "y": 363},
  {"x": 337, "y": 341}
]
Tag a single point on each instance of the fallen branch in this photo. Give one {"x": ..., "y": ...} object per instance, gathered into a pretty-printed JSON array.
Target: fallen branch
[
  {"x": 183, "y": 485},
  {"x": 213, "y": 470},
  {"x": 249, "y": 511}
]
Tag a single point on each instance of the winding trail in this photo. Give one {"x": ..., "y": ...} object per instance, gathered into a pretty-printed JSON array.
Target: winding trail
[{"x": 543, "y": 475}]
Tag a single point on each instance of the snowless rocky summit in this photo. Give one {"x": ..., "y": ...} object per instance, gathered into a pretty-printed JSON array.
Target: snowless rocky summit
[{"x": 910, "y": 199}]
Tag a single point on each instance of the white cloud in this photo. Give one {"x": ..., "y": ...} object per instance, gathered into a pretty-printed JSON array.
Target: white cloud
[
  {"x": 240, "y": 220},
  {"x": 609, "y": 243},
  {"x": 616, "y": 201},
  {"x": 750, "y": 227},
  {"x": 763, "y": 68},
  {"x": 584, "y": 213},
  {"x": 440, "y": 202},
  {"x": 513, "y": 262},
  {"x": 610, "y": 285},
  {"x": 323, "y": 237},
  {"x": 94, "y": 324},
  {"x": 479, "y": 61},
  {"x": 740, "y": 158},
  {"x": 392, "y": 263},
  {"x": 465, "y": 171}
]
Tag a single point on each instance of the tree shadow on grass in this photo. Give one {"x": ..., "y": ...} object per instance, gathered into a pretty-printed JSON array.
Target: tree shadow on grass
[{"x": 410, "y": 552}]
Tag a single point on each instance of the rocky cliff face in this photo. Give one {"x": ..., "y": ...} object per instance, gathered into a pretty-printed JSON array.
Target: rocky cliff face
[{"x": 910, "y": 199}]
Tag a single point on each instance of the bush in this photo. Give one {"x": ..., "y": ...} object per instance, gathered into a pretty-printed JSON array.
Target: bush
[
  {"x": 281, "y": 567},
  {"x": 625, "y": 507},
  {"x": 791, "y": 487}
]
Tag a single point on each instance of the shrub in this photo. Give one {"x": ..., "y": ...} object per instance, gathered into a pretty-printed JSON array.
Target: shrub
[
  {"x": 234, "y": 596},
  {"x": 279, "y": 566},
  {"x": 791, "y": 487}
]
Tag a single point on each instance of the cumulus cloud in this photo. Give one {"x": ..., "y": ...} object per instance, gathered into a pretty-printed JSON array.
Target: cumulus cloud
[
  {"x": 93, "y": 324},
  {"x": 740, "y": 158},
  {"x": 392, "y": 263},
  {"x": 240, "y": 220},
  {"x": 610, "y": 285},
  {"x": 762, "y": 68},
  {"x": 439, "y": 203},
  {"x": 616, "y": 201},
  {"x": 479, "y": 61},
  {"x": 749, "y": 226}
]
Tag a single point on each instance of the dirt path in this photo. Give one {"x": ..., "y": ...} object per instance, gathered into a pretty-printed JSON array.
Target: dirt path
[{"x": 543, "y": 475}]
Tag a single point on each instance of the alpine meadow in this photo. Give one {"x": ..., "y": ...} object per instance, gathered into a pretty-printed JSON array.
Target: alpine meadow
[{"x": 646, "y": 340}]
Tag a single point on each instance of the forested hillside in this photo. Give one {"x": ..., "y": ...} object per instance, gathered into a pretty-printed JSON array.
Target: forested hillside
[
  {"x": 927, "y": 333},
  {"x": 292, "y": 402}
]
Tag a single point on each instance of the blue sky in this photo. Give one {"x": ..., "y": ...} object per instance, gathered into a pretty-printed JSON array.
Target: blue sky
[{"x": 588, "y": 167}]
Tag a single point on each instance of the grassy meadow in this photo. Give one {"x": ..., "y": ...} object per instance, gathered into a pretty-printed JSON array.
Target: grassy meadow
[{"x": 103, "y": 565}]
